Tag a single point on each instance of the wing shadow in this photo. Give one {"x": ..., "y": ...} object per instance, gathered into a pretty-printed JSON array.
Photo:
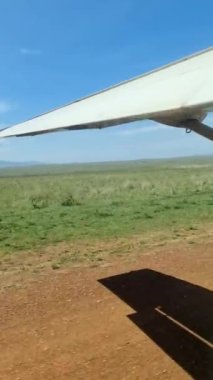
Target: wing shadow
[{"x": 175, "y": 314}]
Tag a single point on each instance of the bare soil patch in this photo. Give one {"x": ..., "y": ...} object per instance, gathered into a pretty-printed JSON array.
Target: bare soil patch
[{"x": 148, "y": 318}]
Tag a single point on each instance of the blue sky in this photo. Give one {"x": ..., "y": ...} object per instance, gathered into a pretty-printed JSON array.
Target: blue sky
[{"x": 55, "y": 51}]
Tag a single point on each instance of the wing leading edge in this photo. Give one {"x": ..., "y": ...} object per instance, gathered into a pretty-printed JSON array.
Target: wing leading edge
[{"x": 179, "y": 94}]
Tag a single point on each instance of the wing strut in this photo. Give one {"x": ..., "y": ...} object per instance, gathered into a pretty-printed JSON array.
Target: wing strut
[{"x": 198, "y": 127}]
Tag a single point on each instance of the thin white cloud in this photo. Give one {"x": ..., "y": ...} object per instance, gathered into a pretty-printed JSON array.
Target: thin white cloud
[
  {"x": 26, "y": 51},
  {"x": 4, "y": 143},
  {"x": 131, "y": 131},
  {"x": 5, "y": 106}
]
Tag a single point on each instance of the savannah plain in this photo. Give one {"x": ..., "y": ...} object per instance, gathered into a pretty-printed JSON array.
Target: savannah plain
[{"x": 106, "y": 271}]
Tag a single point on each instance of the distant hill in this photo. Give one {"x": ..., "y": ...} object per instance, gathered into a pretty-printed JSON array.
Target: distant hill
[
  {"x": 32, "y": 168},
  {"x": 173, "y": 160},
  {"x": 11, "y": 164}
]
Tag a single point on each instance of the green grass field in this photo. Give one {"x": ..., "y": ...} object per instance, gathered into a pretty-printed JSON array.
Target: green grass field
[{"x": 42, "y": 206}]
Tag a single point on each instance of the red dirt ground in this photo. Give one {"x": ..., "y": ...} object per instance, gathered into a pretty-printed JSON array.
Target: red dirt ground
[{"x": 109, "y": 323}]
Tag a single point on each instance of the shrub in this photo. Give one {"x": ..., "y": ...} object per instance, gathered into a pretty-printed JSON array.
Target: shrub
[
  {"x": 70, "y": 201},
  {"x": 39, "y": 201}
]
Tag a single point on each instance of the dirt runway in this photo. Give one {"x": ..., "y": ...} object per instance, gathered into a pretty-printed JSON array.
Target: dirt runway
[{"x": 150, "y": 318}]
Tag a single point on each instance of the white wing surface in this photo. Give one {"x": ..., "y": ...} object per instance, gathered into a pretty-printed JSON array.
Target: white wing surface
[{"x": 178, "y": 94}]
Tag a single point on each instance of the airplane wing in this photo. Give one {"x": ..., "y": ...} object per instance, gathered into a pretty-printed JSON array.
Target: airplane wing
[{"x": 179, "y": 94}]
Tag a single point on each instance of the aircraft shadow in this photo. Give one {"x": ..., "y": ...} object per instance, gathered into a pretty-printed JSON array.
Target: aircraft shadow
[{"x": 175, "y": 314}]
